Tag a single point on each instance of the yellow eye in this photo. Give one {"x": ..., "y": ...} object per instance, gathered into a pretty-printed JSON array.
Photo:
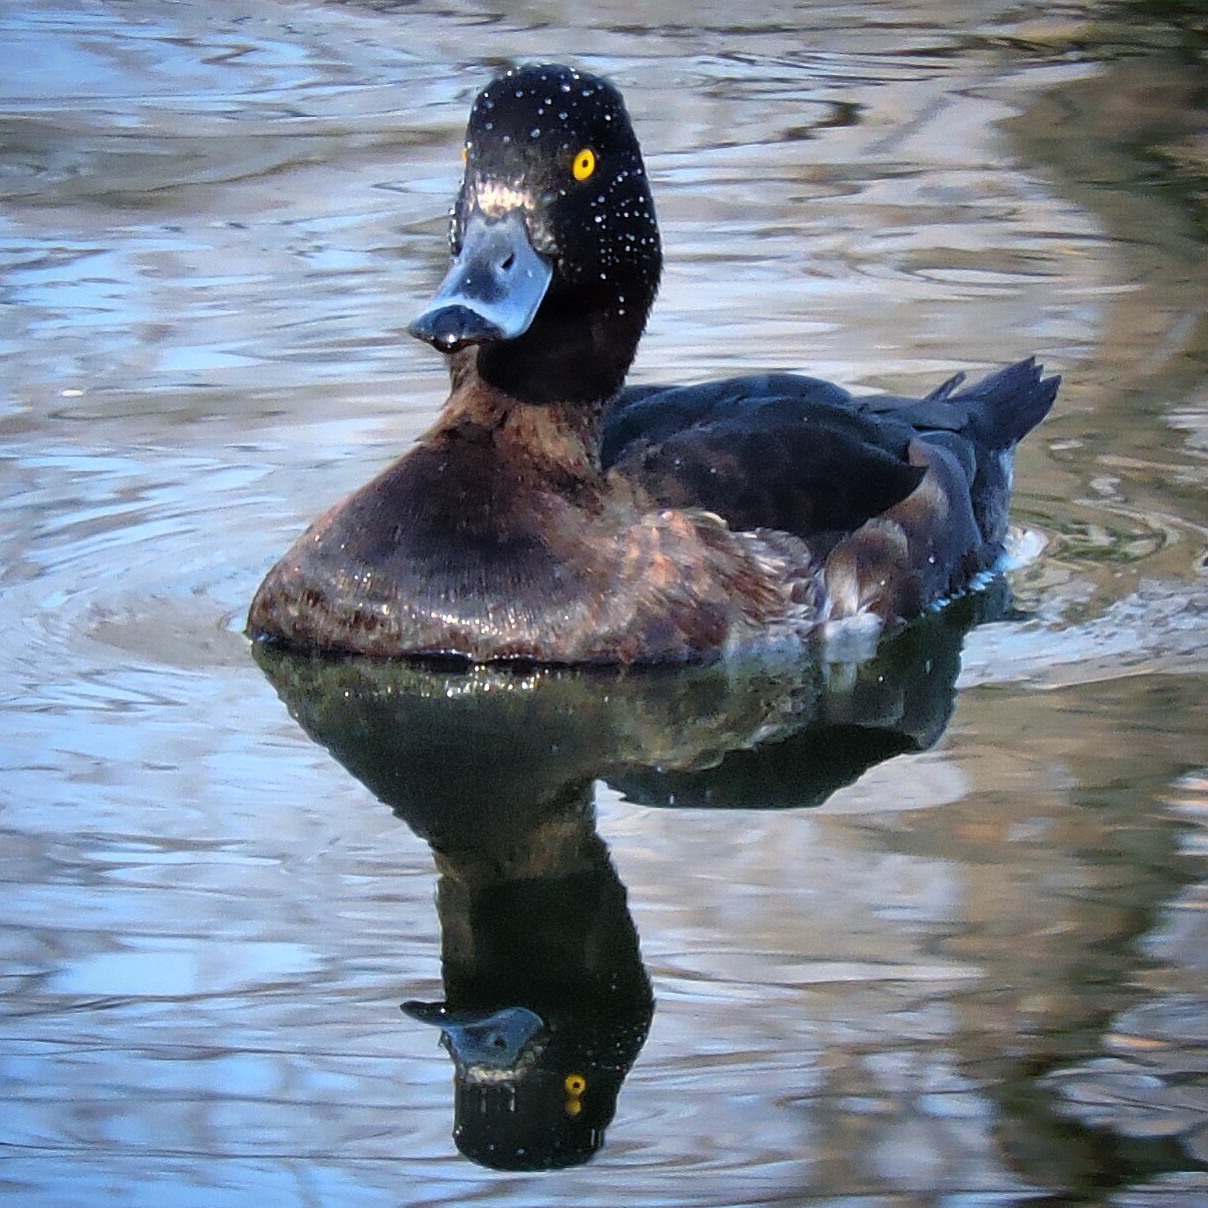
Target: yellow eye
[
  {"x": 574, "y": 1085},
  {"x": 585, "y": 164}
]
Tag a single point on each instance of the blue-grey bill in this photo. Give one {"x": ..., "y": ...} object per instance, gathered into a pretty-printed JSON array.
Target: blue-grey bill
[
  {"x": 492, "y": 1039},
  {"x": 492, "y": 290}
]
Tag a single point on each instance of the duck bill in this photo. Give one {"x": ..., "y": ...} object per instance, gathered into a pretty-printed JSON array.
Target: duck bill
[
  {"x": 481, "y": 1039},
  {"x": 493, "y": 289}
]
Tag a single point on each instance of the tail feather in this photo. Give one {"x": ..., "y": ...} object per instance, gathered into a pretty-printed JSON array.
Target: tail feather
[
  {"x": 1002, "y": 408},
  {"x": 945, "y": 389}
]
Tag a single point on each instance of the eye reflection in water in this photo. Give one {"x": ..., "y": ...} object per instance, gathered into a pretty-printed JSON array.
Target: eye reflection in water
[{"x": 547, "y": 1003}]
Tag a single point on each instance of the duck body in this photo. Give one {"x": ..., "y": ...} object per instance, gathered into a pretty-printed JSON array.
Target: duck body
[
  {"x": 553, "y": 515},
  {"x": 475, "y": 545}
]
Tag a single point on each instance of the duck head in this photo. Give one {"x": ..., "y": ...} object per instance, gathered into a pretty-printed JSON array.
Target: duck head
[{"x": 556, "y": 254}]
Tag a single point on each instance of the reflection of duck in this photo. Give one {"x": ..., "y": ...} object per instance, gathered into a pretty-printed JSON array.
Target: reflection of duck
[
  {"x": 545, "y": 516},
  {"x": 546, "y": 1002}
]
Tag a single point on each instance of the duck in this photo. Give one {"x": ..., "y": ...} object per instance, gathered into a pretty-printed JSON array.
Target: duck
[{"x": 554, "y": 515}]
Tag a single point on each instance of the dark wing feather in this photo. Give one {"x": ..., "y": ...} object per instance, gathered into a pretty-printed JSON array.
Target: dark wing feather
[
  {"x": 778, "y": 451},
  {"x": 802, "y": 455},
  {"x": 650, "y": 414}
]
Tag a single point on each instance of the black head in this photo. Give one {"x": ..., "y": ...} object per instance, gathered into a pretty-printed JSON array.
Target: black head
[{"x": 555, "y": 244}]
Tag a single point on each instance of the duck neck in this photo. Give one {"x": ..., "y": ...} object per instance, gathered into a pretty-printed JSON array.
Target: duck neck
[
  {"x": 558, "y": 441},
  {"x": 578, "y": 349}
]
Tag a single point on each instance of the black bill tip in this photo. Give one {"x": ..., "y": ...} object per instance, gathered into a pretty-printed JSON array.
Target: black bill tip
[{"x": 451, "y": 327}]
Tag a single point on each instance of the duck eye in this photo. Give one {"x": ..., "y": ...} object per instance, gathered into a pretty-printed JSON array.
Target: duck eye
[{"x": 585, "y": 164}]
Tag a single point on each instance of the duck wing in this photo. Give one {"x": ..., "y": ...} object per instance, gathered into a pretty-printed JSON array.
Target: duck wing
[
  {"x": 801, "y": 455},
  {"x": 774, "y": 451}
]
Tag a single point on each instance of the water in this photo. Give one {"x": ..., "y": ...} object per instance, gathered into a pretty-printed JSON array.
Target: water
[{"x": 973, "y": 973}]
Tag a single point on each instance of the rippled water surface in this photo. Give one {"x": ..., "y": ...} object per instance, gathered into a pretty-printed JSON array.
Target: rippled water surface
[{"x": 813, "y": 936}]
